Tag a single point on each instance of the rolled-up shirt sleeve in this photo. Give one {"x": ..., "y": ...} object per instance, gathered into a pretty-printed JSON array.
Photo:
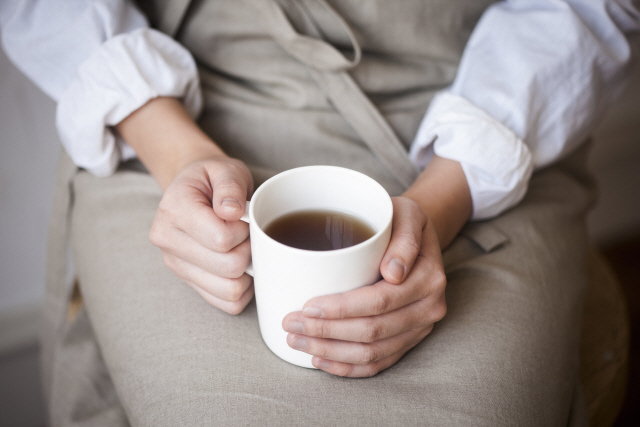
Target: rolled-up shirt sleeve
[
  {"x": 100, "y": 61},
  {"x": 534, "y": 80}
]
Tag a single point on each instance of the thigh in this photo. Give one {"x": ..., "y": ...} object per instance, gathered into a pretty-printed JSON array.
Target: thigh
[
  {"x": 505, "y": 354},
  {"x": 515, "y": 294}
]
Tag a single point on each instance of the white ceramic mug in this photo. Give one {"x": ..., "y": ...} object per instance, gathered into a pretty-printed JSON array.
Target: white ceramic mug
[{"x": 285, "y": 277}]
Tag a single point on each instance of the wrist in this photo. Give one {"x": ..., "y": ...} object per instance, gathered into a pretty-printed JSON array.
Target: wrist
[
  {"x": 166, "y": 139},
  {"x": 442, "y": 192}
]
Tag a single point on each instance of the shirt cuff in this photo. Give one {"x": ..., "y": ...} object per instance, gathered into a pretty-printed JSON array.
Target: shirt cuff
[
  {"x": 125, "y": 73},
  {"x": 497, "y": 164}
]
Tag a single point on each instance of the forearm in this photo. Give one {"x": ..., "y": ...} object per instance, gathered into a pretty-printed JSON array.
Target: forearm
[
  {"x": 499, "y": 118},
  {"x": 166, "y": 139},
  {"x": 442, "y": 192}
]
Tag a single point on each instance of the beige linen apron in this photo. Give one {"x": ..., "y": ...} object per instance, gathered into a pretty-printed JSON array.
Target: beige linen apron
[{"x": 290, "y": 83}]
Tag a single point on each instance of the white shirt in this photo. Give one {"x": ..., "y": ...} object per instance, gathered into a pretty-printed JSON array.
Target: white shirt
[{"x": 534, "y": 79}]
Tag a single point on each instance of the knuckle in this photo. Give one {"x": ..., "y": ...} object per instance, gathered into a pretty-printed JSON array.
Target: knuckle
[
  {"x": 321, "y": 329},
  {"x": 433, "y": 311},
  {"x": 235, "y": 308},
  {"x": 240, "y": 169},
  {"x": 434, "y": 284},
  {"x": 235, "y": 266},
  {"x": 157, "y": 235},
  {"x": 408, "y": 237},
  {"x": 439, "y": 279},
  {"x": 323, "y": 352},
  {"x": 381, "y": 303},
  {"x": 373, "y": 331},
  {"x": 235, "y": 292},
  {"x": 343, "y": 312},
  {"x": 409, "y": 243},
  {"x": 417, "y": 210},
  {"x": 370, "y": 354},
  {"x": 166, "y": 212},
  {"x": 345, "y": 370},
  {"x": 370, "y": 371},
  {"x": 233, "y": 165},
  {"x": 412, "y": 208},
  {"x": 439, "y": 311},
  {"x": 228, "y": 185},
  {"x": 222, "y": 241}
]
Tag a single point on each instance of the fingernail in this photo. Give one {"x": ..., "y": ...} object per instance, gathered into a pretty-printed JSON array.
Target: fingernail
[
  {"x": 322, "y": 364},
  {"x": 312, "y": 312},
  {"x": 396, "y": 269},
  {"x": 296, "y": 342},
  {"x": 231, "y": 204},
  {"x": 294, "y": 326}
]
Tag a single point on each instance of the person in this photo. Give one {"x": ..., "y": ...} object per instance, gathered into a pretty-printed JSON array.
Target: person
[{"x": 489, "y": 188}]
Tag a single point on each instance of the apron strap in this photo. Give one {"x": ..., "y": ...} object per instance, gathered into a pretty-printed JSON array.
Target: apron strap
[
  {"x": 165, "y": 15},
  {"x": 329, "y": 68},
  {"x": 312, "y": 51}
]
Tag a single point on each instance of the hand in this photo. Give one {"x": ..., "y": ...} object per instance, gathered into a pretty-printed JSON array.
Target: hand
[
  {"x": 197, "y": 224},
  {"x": 198, "y": 230},
  {"x": 362, "y": 332}
]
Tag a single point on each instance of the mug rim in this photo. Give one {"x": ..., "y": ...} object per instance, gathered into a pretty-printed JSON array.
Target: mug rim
[{"x": 283, "y": 175}]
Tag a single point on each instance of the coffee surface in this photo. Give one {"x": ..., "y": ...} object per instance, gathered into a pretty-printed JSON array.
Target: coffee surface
[{"x": 319, "y": 230}]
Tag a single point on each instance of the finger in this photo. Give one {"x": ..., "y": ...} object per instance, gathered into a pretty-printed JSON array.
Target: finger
[
  {"x": 230, "y": 265},
  {"x": 222, "y": 288},
  {"x": 231, "y": 307},
  {"x": 376, "y": 299},
  {"x": 356, "y": 353},
  {"x": 431, "y": 252},
  {"x": 360, "y": 371},
  {"x": 186, "y": 209},
  {"x": 231, "y": 187},
  {"x": 406, "y": 238},
  {"x": 356, "y": 371},
  {"x": 368, "y": 329},
  {"x": 425, "y": 278}
]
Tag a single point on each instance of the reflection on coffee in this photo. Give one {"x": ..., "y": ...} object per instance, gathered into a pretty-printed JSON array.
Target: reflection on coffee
[{"x": 319, "y": 230}]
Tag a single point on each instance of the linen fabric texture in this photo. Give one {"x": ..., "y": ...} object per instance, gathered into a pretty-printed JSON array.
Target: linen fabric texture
[{"x": 147, "y": 350}]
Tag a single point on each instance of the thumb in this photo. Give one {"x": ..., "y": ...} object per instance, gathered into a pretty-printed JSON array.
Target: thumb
[
  {"x": 406, "y": 240},
  {"x": 231, "y": 186}
]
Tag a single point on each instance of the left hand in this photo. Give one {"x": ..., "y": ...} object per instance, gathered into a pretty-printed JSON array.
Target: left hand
[{"x": 362, "y": 332}]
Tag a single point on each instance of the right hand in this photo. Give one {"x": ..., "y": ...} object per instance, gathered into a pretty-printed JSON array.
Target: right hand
[{"x": 198, "y": 229}]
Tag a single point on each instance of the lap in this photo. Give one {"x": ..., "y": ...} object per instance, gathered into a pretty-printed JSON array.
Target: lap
[{"x": 505, "y": 354}]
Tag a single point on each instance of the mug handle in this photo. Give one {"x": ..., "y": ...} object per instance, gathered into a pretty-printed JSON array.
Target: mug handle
[{"x": 245, "y": 218}]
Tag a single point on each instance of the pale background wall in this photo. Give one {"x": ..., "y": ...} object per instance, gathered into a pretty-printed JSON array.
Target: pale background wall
[
  {"x": 29, "y": 148},
  {"x": 28, "y": 152}
]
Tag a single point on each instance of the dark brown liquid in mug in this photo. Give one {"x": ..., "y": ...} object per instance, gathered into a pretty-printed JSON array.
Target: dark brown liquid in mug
[{"x": 319, "y": 230}]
